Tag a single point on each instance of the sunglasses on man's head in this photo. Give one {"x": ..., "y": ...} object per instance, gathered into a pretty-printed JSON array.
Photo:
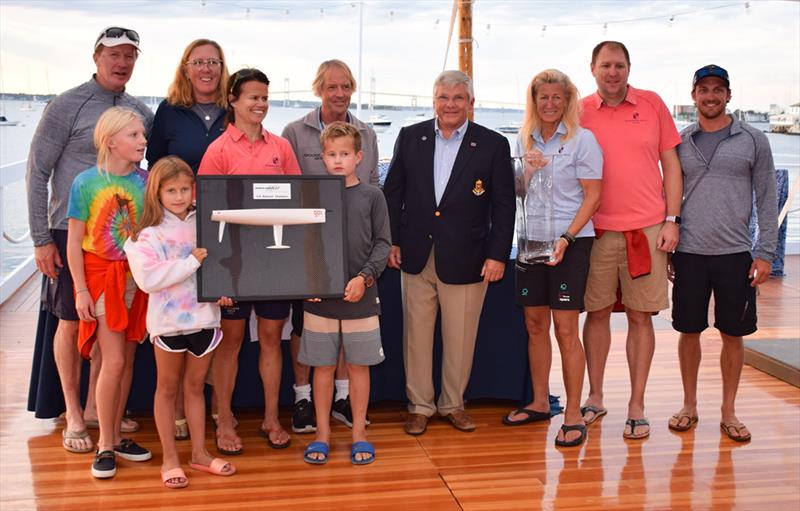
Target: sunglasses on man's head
[{"x": 117, "y": 32}]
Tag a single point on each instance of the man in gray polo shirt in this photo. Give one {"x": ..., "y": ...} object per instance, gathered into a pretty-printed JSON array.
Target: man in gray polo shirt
[
  {"x": 62, "y": 147},
  {"x": 725, "y": 162}
]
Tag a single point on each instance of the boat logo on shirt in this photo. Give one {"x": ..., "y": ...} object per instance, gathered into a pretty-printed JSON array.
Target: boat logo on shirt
[{"x": 479, "y": 189}]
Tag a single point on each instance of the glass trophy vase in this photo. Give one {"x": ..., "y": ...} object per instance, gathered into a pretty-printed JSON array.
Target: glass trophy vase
[{"x": 536, "y": 237}]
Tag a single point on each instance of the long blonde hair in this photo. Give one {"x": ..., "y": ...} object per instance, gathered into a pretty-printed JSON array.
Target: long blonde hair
[
  {"x": 165, "y": 169},
  {"x": 571, "y": 117},
  {"x": 111, "y": 122},
  {"x": 180, "y": 91}
]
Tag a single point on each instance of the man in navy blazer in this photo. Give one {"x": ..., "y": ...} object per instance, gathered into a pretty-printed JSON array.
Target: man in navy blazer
[{"x": 450, "y": 192}]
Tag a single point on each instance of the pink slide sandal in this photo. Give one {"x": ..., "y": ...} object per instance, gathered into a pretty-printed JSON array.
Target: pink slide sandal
[{"x": 217, "y": 467}]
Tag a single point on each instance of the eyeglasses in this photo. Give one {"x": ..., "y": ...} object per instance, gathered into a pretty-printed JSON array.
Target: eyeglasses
[
  {"x": 117, "y": 32},
  {"x": 211, "y": 63}
]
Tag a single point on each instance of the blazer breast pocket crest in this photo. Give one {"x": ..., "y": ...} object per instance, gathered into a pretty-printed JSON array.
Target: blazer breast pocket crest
[{"x": 478, "y": 190}]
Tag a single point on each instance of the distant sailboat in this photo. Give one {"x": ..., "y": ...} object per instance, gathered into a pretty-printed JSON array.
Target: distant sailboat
[
  {"x": 414, "y": 119},
  {"x": 510, "y": 127},
  {"x": 5, "y": 122},
  {"x": 379, "y": 121}
]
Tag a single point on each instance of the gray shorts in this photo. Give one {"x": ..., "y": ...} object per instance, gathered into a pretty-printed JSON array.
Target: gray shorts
[{"x": 324, "y": 337}]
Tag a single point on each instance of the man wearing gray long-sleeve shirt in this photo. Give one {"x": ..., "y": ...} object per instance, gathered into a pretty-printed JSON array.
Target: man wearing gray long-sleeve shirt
[
  {"x": 62, "y": 147},
  {"x": 724, "y": 163}
]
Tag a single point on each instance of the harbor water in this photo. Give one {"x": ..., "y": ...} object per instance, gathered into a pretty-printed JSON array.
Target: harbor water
[{"x": 15, "y": 142}]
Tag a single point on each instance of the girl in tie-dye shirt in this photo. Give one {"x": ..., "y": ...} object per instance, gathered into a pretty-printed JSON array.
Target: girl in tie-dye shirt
[
  {"x": 104, "y": 205},
  {"x": 164, "y": 259}
]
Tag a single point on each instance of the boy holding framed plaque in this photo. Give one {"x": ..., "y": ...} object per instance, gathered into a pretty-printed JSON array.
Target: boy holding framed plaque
[{"x": 350, "y": 322}]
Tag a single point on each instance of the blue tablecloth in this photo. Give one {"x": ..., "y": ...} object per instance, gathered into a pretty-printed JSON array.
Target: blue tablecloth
[{"x": 500, "y": 367}]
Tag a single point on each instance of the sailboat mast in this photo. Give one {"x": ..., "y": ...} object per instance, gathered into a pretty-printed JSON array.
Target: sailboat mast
[{"x": 465, "y": 39}]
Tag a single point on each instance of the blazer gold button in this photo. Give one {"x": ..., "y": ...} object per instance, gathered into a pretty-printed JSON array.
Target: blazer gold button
[
  {"x": 430, "y": 237},
  {"x": 438, "y": 213}
]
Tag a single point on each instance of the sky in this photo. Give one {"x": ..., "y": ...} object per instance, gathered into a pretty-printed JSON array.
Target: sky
[{"x": 46, "y": 46}]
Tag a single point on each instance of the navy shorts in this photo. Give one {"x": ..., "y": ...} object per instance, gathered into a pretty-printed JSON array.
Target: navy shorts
[
  {"x": 58, "y": 297},
  {"x": 297, "y": 317},
  {"x": 266, "y": 309},
  {"x": 559, "y": 287},
  {"x": 697, "y": 276}
]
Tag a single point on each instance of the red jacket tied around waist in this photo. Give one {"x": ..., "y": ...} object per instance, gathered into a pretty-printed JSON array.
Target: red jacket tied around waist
[{"x": 109, "y": 277}]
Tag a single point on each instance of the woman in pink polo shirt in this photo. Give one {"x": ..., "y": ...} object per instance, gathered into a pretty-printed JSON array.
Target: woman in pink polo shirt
[{"x": 247, "y": 148}]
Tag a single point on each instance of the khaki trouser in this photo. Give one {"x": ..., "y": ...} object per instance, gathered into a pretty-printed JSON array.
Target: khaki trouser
[{"x": 461, "y": 305}]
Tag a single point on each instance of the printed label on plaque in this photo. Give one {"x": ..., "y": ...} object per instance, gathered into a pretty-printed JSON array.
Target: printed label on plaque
[{"x": 272, "y": 191}]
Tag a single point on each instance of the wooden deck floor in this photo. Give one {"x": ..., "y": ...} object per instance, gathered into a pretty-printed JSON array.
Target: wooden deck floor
[{"x": 494, "y": 468}]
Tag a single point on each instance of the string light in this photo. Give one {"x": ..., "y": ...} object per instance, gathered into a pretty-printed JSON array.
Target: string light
[
  {"x": 544, "y": 29},
  {"x": 671, "y": 20},
  {"x": 605, "y": 28}
]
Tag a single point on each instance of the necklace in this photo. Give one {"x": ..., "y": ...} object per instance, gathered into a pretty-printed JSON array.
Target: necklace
[{"x": 207, "y": 115}]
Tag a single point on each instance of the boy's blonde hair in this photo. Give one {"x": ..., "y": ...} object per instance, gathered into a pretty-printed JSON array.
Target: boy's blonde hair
[
  {"x": 165, "y": 169},
  {"x": 109, "y": 124},
  {"x": 339, "y": 129}
]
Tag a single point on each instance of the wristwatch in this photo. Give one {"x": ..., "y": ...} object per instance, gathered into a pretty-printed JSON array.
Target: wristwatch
[
  {"x": 369, "y": 281},
  {"x": 673, "y": 218},
  {"x": 569, "y": 238}
]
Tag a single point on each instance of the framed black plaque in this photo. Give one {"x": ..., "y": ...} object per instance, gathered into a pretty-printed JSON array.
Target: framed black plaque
[{"x": 271, "y": 237}]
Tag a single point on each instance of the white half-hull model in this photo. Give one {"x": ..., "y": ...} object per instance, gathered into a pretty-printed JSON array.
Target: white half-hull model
[{"x": 277, "y": 218}]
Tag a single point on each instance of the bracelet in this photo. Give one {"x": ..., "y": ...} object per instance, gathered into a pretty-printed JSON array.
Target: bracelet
[
  {"x": 81, "y": 290},
  {"x": 569, "y": 237}
]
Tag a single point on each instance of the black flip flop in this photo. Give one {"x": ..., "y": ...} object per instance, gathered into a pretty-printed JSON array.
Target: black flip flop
[
  {"x": 227, "y": 452},
  {"x": 572, "y": 443},
  {"x": 265, "y": 435},
  {"x": 531, "y": 416}
]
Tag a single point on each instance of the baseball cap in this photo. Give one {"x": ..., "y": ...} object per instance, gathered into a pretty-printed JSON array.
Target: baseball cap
[
  {"x": 711, "y": 70},
  {"x": 116, "y": 36}
]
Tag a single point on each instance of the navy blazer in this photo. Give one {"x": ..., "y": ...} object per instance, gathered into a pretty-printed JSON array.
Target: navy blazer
[{"x": 475, "y": 218}]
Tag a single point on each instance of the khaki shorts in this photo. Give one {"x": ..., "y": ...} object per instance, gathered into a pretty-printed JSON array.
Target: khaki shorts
[
  {"x": 130, "y": 291},
  {"x": 608, "y": 267}
]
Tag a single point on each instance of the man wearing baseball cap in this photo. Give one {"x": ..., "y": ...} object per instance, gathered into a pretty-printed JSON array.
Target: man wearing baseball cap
[
  {"x": 725, "y": 163},
  {"x": 62, "y": 147}
]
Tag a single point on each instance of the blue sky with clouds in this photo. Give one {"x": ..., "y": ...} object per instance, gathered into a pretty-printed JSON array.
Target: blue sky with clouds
[{"x": 46, "y": 46}]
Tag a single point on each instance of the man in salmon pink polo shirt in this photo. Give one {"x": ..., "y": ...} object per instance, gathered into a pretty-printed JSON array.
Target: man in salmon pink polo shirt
[{"x": 637, "y": 224}]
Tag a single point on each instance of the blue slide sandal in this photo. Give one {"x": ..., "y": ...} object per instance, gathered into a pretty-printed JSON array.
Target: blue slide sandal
[{"x": 362, "y": 448}]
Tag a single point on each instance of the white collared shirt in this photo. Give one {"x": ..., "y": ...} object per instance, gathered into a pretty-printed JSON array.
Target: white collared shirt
[{"x": 444, "y": 156}]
